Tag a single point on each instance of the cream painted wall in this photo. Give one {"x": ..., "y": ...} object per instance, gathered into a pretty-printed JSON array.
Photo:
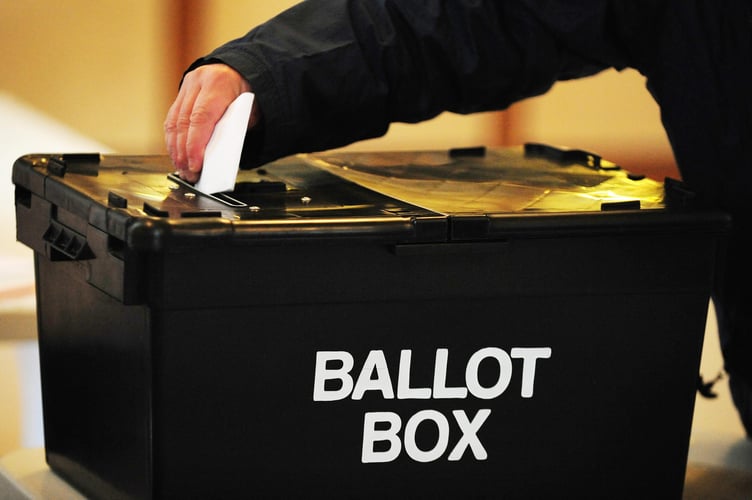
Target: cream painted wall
[
  {"x": 606, "y": 109},
  {"x": 10, "y": 425},
  {"x": 97, "y": 66},
  {"x": 611, "y": 114}
]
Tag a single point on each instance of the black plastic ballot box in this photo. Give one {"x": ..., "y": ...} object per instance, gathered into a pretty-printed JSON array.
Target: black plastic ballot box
[{"x": 502, "y": 323}]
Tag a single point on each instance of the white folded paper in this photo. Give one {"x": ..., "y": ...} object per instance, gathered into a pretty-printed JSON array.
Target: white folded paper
[{"x": 222, "y": 154}]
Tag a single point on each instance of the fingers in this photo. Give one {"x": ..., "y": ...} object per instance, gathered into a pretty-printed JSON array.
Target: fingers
[
  {"x": 179, "y": 125},
  {"x": 171, "y": 128},
  {"x": 202, "y": 100},
  {"x": 203, "y": 115}
]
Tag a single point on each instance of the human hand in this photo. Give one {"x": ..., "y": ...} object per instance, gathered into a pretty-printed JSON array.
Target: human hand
[{"x": 202, "y": 100}]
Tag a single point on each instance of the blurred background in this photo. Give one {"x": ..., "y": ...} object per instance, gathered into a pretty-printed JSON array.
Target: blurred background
[{"x": 83, "y": 75}]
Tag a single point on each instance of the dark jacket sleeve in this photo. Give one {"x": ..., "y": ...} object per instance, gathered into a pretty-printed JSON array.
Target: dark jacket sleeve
[{"x": 330, "y": 72}]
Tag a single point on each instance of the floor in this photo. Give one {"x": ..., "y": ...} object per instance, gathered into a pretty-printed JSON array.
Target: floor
[
  {"x": 717, "y": 434},
  {"x": 720, "y": 456}
]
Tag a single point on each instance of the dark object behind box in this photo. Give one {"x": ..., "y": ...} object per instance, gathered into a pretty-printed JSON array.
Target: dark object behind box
[{"x": 534, "y": 333}]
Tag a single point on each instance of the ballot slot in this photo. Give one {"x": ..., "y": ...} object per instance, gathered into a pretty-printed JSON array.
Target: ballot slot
[
  {"x": 224, "y": 198},
  {"x": 242, "y": 196}
]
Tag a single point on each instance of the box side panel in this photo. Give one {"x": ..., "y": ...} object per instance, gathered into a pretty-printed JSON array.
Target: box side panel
[
  {"x": 617, "y": 323},
  {"x": 95, "y": 383},
  {"x": 606, "y": 414}
]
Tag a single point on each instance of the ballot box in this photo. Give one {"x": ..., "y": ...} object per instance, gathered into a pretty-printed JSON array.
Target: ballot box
[{"x": 501, "y": 323}]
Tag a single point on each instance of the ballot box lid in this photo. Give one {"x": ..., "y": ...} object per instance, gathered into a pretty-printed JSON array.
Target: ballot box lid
[{"x": 474, "y": 194}]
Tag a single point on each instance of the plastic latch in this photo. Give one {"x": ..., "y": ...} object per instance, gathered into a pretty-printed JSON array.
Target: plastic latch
[
  {"x": 678, "y": 195},
  {"x": 116, "y": 201},
  {"x": 477, "y": 151},
  {"x": 620, "y": 205},
  {"x": 82, "y": 157},
  {"x": 56, "y": 166},
  {"x": 67, "y": 242},
  {"x": 154, "y": 211},
  {"x": 469, "y": 227},
  {"x": 577, "y": 156},
  {"x": 201, "y": 214}
]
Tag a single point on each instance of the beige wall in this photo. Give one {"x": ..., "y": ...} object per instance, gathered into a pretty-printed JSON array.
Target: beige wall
[
  {"x": 611, "y": 114},
  {"x": 98, "y": 66},
  {"x": 10, "y": 425},
  {"x": 228, "y": 19}
]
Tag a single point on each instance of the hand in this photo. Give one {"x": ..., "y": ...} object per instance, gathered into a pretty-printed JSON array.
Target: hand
[{"x": 204, "y": 96}]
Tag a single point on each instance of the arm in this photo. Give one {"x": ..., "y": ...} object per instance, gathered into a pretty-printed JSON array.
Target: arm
[{"x": 330, "y": 72}]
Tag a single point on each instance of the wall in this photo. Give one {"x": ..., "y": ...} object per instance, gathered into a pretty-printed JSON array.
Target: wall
[
  {"x": 10, "y": 426},
  {"x": 98, "y": 66},
  {"x": 611, "y": 114}
]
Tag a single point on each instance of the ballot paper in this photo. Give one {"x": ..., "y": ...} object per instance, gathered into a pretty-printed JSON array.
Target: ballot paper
[{"x": 222, "y": 154}]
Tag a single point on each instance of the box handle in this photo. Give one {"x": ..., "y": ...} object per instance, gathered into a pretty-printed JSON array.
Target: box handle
[{"x": 66, "y": 244}]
